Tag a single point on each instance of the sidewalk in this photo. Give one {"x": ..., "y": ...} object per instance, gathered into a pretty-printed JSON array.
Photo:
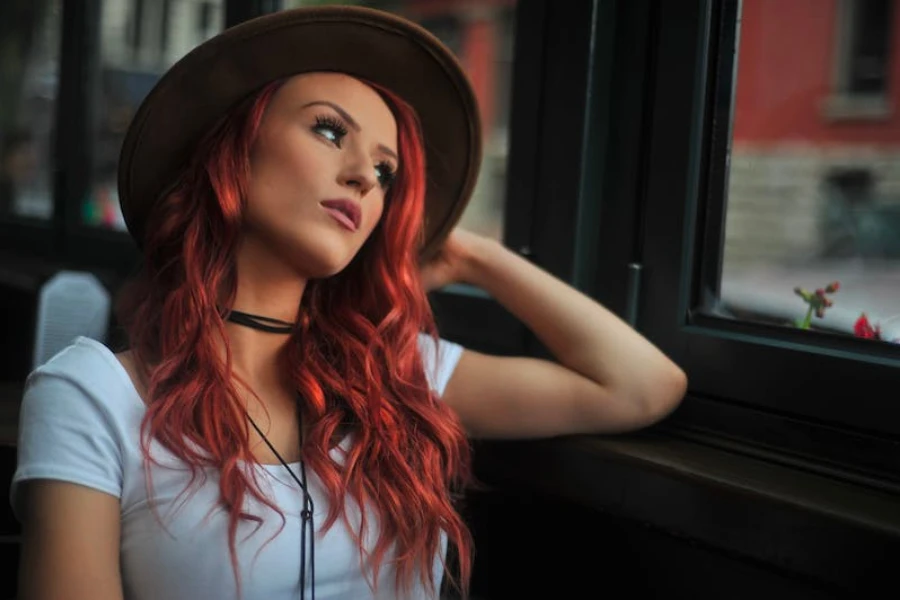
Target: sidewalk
[{"x": 869, "y": 287}]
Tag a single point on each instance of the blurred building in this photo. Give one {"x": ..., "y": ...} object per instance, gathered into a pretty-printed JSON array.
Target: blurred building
[
  {"x": 815, "y": 163},
  {"x": 145, "y": 35}
]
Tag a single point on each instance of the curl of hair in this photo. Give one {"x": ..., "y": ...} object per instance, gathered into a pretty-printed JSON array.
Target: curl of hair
[{"x": 354, "y": 358}]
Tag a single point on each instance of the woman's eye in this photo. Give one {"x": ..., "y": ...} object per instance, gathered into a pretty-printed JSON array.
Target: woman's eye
[
  {"x": 329, "y": 134},
  {"x": 385, "y": 174},
  {"x": 331, "y": 129}
]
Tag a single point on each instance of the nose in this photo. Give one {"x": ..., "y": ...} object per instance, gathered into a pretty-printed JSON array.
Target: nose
[{"x": 358, "y": 173}]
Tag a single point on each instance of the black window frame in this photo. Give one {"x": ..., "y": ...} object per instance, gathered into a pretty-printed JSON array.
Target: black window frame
[
  {"x": 547, "y": 176},
  {"x": 793, "y": 396},
  {"x": 43, "y": 238},
  {"x": 63, "y": 240}
]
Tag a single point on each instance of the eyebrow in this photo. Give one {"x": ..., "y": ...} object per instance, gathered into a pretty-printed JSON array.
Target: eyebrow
[{"x": 350, "y": 121}]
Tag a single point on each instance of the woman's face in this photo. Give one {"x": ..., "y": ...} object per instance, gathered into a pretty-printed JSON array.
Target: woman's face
[{"x": 320, "y": 169}]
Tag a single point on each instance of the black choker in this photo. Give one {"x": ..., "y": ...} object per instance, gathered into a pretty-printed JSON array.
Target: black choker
[{"x": 266, "y": 324}]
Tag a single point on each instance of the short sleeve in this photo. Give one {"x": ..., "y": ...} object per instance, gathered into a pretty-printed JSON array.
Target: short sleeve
[
  {"x": 65, "y": 434},
  {"x": 440, "y": 361}
]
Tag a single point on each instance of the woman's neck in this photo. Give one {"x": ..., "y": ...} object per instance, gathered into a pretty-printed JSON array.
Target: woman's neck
[{"x": 256, "y": 356}]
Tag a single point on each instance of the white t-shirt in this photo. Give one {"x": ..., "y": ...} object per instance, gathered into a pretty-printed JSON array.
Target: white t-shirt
[{"x": 80, "y": 422}]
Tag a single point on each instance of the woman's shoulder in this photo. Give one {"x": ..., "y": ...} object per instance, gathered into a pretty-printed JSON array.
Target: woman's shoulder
[
  {"x": 79, "y": 401},
  {"x": 81, "y": 356},
  {"x": 85, "y": 367}
]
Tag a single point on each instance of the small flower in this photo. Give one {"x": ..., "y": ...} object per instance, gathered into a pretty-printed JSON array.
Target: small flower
[
  {"x": 817, "y": 302},
  {"x": 864, "y": 329}
]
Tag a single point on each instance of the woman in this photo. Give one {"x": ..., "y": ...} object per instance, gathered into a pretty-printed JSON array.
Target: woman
[{"x": 287, "y": 422}]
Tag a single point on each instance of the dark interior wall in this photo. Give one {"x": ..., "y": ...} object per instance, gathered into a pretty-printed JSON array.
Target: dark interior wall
[
  {"x": 531, "y": 546},
  {"x": 9, "y": 527}
]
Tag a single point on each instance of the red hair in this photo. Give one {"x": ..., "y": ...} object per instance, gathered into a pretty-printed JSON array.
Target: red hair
[{"x": 354, "y": 357}]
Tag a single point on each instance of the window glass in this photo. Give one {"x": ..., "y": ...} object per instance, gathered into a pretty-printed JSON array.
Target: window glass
[
  {"x": 812, "y": 225},
  {"x": 481, "y": 35},
  {"x": 139, "y": 40},
  {"x": 30, "y": 32}
]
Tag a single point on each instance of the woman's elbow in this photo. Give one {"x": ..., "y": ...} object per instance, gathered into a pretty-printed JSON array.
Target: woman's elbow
[{"x": 665, "y": 393}]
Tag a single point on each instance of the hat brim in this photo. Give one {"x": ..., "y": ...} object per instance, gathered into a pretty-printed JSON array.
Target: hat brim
[{"x": 366, "y": 43}]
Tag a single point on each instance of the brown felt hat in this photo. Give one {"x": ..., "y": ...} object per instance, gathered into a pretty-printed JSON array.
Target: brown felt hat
[{"x": 366, "y": 43}]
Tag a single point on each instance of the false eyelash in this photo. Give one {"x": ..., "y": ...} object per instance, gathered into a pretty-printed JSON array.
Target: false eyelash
[
  {"x": 389, "y": 174},
  {"x": 330, "y": 122}
]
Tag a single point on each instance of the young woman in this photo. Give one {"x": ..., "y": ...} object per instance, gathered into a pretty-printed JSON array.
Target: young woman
[{"x": 286, "y": 422}]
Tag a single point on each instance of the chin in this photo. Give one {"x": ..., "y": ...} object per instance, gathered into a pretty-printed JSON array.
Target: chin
[
  {"x": 324, "y": 261},
  {"x": 312, "y": 252}
]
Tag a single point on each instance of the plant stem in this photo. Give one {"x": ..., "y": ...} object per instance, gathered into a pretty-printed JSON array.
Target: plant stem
[{"x": 808, "y": 320}]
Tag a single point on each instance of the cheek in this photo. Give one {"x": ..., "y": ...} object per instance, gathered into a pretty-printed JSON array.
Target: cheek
[{"x": 284, "y": 169}]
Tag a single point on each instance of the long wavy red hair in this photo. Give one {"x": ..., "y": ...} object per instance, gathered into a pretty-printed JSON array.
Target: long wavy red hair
[{"x": 354, "y": 357}]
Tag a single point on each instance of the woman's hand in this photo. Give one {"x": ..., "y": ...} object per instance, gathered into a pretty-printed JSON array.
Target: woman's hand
[{"x": 452, "y": 262}]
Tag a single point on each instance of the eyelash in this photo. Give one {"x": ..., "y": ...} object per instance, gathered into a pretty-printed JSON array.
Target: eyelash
[
  {"x": 328, "y": 122},
  {"x": 387, "y": 179}
]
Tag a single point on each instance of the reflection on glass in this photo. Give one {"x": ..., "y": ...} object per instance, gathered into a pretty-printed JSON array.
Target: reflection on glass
[
  {"x": 29, "y": 65},
  {"x": 481, "y": 35},
  {"x": 814, "y": 177},
  {"x": 139, "y": 40}
]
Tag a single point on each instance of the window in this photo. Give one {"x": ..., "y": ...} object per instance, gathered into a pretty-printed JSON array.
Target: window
[
  {"x": 863, "y": 43},
  {"x": 811, "y": 203},
  {"x": 29, "y": 73},
  {"x": 139, "y": 40},
  {"x": 751, "y": 193},
  {"x": 869, "y": 28}
]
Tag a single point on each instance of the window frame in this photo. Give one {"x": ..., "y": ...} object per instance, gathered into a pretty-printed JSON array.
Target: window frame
[
  {"x": 64, "y": 239},
  {"x": 571, "y": 134},
  {"x": 42, "y": 238},
  {"x": 465, "y": 314},
  {"x": 792, "y": 396}
]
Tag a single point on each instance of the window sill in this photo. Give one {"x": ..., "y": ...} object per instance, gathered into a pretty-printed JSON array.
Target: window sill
[
  {"x": 867, "y": 287},
  {"x": 842, "y": 534},
  {"x": 844, "y": 107}
]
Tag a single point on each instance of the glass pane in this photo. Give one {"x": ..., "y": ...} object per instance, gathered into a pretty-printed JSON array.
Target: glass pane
[
  {"x": 812, "y": 228},
  {"x": 139, "y": 40},
  {"x": 481, "y": 35},
  {"x": 29, "y": 73}
]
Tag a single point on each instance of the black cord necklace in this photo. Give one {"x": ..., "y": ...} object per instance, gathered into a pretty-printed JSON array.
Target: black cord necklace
[
  {"x": 306, "y": 515},
  {"x": 266, "y": 324}
]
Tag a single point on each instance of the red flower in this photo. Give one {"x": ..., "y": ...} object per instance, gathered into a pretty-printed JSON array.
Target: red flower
[{"x": 862, "y": 328}]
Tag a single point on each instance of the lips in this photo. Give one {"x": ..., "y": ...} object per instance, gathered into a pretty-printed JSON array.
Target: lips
[{"x": 347, "y": 212}]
